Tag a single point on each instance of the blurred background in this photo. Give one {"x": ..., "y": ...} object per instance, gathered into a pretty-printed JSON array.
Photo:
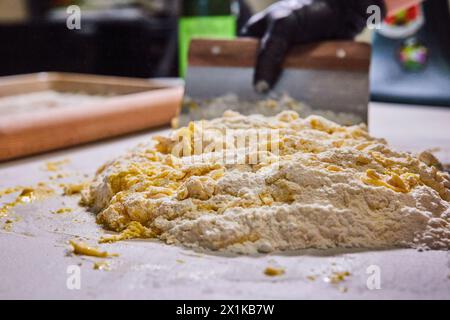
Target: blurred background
[
  {"x": 149, "y": 38},
  {"x": 124, "y": 38}
]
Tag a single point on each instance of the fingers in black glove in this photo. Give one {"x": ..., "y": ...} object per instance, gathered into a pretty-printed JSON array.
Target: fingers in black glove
[
  {"x": 300, "y": 21},
  {"x": 274, "y": 46},
  {"x": 256, "y": 26},
  {"x": 274, "y": 27}
]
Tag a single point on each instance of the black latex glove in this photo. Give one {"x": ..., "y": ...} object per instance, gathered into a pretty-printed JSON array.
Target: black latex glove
[{"x": 291, "y": 22}]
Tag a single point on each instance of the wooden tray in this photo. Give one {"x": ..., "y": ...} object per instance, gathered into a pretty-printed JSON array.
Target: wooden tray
[{"x": 132, "y": 105}]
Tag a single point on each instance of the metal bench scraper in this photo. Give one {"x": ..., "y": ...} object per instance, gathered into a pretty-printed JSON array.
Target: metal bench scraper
[{"x": 332, "y": 76}]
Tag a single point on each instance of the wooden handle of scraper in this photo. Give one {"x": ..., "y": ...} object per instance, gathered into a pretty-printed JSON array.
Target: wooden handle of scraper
[{"x": 242, "y": 52}]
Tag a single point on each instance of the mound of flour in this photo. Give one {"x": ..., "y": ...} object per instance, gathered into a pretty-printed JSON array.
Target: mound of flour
[{"x": 315, "y": 184}]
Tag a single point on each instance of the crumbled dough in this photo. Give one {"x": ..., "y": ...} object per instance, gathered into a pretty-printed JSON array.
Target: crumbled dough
[
  {"x": 274, "y": 272},
  {"x": 62, "y": 210},
  {"x": 134, "y": 230},
  {"x": 54, "y": 166},
  {"x": 71, "y": 189},
  {"x": 26, "y": 195},
  {"x": 337, "y": 277},
  {"x": 8, "y": 226},
  {"x": 101, "y": 265},
  {"x": 81, "y": 248},
  {"x": 318, "y": 185}
]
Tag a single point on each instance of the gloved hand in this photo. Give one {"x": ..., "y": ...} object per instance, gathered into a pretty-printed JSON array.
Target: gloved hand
[{"x": 291, "y": 22}]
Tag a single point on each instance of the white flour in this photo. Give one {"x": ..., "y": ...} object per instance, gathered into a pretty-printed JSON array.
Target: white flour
[
  {"x": 327, "y": 186},
  {"x": 209, "y": 109},
  {"x": 43, "y": 100}
]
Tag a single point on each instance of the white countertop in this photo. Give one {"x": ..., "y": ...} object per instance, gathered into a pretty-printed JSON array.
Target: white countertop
[
  {"x": 34, "y": 256},
  {"x": 413, "y": 128}
]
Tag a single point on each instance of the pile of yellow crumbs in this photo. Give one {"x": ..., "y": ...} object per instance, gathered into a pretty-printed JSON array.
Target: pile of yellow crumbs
[{"x": 311, "y": 183}]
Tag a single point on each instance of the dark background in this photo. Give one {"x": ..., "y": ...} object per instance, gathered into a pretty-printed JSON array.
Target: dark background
[
  {"x": 127, "y": 41},
  {"x": 124, "y": 41},
  {"x": 136, "y": 41}
]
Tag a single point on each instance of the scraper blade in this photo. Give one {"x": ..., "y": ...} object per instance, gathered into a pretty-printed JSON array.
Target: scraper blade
[{"x": 326, "y": 76}]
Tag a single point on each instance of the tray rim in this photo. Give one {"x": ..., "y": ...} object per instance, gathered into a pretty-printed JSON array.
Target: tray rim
[
  {"x": 48, "y": 77},
  {"x": 21, "y": 133}
]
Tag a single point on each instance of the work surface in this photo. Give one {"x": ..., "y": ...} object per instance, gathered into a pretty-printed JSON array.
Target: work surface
[{"x": 36, "y": 260}]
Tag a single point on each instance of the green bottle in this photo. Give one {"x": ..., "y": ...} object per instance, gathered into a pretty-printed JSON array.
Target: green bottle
[{"x": 204, "y": 19}]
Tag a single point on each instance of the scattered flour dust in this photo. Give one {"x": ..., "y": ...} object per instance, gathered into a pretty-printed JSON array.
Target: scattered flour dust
[
  {"x": 43, "y": 101},
  {"x": 326, "y": 186}
]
